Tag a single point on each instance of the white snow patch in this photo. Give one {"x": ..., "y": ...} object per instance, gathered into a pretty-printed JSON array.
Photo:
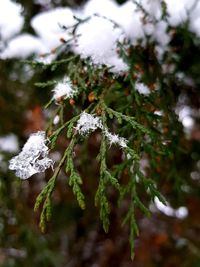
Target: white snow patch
[
  {"x": 64, "y": 89},
  {"x": 11, "y": 20},
  {"x": 33, "y": 157},
  {"x": 23, "y": 46},
  {"x": 48, "y": 25},
  {"x": 180, "y": 213},
  {"x": 9, "y": 143},
  {"x": 142, "y": 88},
  {"x": 115, "y": 139},
  {"x": 87, "y": 123},
  {"x": 97, "y": 39}
]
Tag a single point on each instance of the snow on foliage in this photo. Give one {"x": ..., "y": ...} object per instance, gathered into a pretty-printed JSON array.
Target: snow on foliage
[
  {"x": 33, "y": 157},
  {"x": 98, "y": 36},
  {"x": 11, "y": 20},
  {"x": 48, "y": 25},
  {"x": 106, "y": 8},
  {"x": 180, "y": 213},
  {"x": 64, "y": 90},
  {"x": 115, "y": 139},
  {"x": 17, "y": 49},
  {"x": 88, "y": 123}
]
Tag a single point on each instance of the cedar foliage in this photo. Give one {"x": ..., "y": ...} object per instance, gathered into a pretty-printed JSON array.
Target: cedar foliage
[{"x": 149, "y": 122}]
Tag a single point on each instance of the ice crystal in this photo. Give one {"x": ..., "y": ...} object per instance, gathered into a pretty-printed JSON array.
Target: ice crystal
[
  {"x": 64, "y": 89},
  {"x": 33, "y": 157},
  {"x": 88, "y": 123},
  {"x": 115, "y": 139}
]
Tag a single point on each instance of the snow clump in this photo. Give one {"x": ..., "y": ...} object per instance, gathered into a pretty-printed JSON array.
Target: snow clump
[
  {"x": 11, "y": 20},
  {"x": 33, "y": 158},
  {"x": 64, "y": 90},
  {"x": 88, "y": 123},
  {"x": 97, "y": 38}
]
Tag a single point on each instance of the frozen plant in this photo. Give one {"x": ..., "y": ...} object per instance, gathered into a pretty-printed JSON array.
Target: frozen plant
[
  {"x": 33, "y": 157},
  {"x": 87, "y": 123},
  {"x": 115, "y": 56},
  {"x": 64, "y": 90},
  {"x": 115, "y": 139},
  {"x": 97, "y": 39}
]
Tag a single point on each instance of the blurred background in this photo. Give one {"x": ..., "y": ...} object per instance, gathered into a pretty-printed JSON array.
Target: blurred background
[{"x": 169, "y": 238}]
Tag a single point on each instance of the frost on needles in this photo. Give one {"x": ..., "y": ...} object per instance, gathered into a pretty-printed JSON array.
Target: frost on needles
[
  {"x": 88, "y": 123},
  {"x": 64, "y": 89}
]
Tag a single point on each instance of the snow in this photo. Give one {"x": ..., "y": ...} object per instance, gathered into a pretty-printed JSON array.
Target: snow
[
  {"x": 42, "y": 2},
  {"x": 48, "y": 25},
  {"x": 160, "y": 34},
  {"x": 177, "y": 11},
  {"x": 33, "y": 157},
  {"x": 130, "y": 19},
  {"x": 153, "y": 8},
  {"x": 45, "y": 58},
  {"x": 87, "y": 123},
  {"x": 180, "y": 11},
  {"x": 64, "y": 89},
  {"x": 106, "y": 8},
  {"x": 142, "y": 88},
  {"x": 195, "y": 19},
  {"x": 9, "y": 143},
  {"x": 115, "y": 139},
  {"x": 11, "y": 20},
  {"x": 56, "y": 120},
  {"x": 98, "y": 37},
  {"x": 185, "y": 115},
  {"x": 180, "y": 213},
  {"x": 17, "y": 49}
]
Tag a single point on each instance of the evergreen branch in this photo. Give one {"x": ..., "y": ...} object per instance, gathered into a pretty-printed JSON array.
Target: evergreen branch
[
  {"x": 53, "y": 65},
  {"x": 74, "y": 180},
  {"x": 151, "y": 187},
  {"x": 100, "y": 197},
  {"x": 57, "y": 132},
  {"x": 134, "y": 231},
  {"x": 46, "y": 84},
  {"x": 114, "y": 181},
  {"x": 49, "y": 126},
  {"x": 102, "y": 201},
  {"x": 120, "y": 117},
  {"x": 57, "y": 63},
  {"x": 46, "y": 194},
  {"x": 69, "y": 125},
  {"x": 131, "y": 154},
  {"x": 49, "y": 103},
  {"x": 141, "y": 205}
]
